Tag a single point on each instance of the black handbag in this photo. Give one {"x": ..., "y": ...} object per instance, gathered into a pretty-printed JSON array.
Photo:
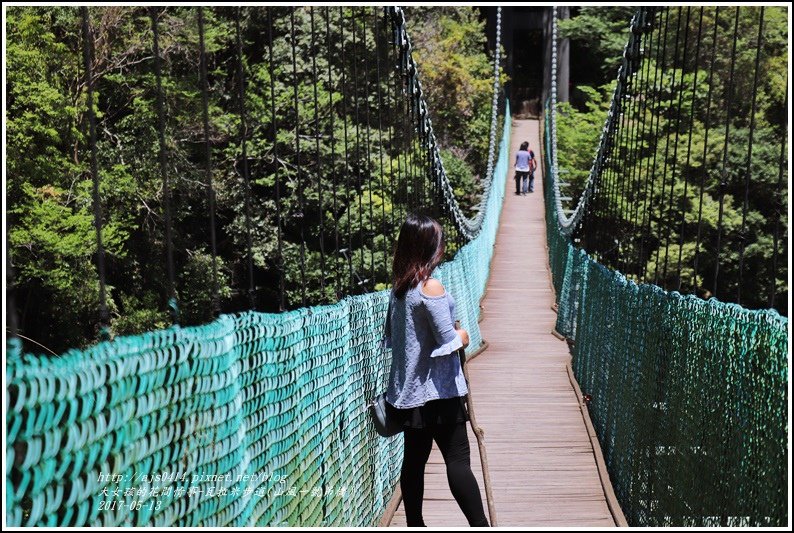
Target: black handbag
[{"x": 385, "y": 425}]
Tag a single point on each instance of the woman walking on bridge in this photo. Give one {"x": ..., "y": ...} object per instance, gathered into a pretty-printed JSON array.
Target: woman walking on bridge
[
  {"x": 427, "y": 386},
  {"x": 525, "y": 169}
]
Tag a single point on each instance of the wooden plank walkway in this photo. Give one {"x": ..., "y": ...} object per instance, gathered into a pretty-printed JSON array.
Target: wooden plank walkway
[{"x": 542, "y": 465}]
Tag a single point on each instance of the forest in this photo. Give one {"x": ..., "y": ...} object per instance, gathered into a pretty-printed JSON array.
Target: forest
[
  {"x": 309, "y": 156},
  {"x": 696, "y": 188},
  {"x": 303, "y": 168}
]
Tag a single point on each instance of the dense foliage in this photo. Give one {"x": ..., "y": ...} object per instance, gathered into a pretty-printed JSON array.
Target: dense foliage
[
  {"x": 681, "y": 162},
  {"x": 326, "y": 198}
]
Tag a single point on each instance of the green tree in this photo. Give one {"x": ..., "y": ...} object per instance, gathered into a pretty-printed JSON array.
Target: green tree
[
  {"x": 665, "y": 211},
  {"x": 327, "y": 191}
]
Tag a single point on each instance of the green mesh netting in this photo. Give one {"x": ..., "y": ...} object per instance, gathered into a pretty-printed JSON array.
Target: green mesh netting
[
  {"x": 254, "y": 419},
  {"x": 689, "y": 397}
]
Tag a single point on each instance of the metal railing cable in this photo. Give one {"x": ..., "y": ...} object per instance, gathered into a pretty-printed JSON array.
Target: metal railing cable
[
  {"x": 468, "y": 228},
  {"x": 569, "y": 223}
]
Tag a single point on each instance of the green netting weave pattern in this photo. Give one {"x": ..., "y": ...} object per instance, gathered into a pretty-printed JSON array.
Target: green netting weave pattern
[
  {"x": 253, "y": 419},
  {"x": 688, "y": 397}
]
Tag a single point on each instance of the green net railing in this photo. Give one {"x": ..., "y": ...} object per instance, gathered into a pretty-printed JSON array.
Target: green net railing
[
  {"x": 688, "y": 396},
  {"x": 253, "y": 419}
]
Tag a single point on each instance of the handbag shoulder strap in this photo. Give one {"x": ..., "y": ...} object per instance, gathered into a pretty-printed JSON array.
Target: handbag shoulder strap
[{"x": 388, "y": 318}]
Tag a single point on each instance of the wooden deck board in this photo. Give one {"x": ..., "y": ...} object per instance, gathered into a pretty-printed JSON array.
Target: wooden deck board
[{"x": 542, "y": 466}]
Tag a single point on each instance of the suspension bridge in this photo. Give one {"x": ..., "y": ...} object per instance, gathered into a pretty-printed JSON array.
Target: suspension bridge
[{"x": 613, "y": 388}]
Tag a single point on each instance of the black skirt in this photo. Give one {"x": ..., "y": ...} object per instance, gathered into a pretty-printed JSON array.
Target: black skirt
[{"x": 435, "y": 412}]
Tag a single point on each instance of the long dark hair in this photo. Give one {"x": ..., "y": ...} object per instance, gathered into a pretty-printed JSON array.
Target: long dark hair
[{"x": 419, "y": 250}]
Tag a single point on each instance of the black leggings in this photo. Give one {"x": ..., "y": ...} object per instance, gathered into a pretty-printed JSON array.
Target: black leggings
[{"x": 453, "y": 442}]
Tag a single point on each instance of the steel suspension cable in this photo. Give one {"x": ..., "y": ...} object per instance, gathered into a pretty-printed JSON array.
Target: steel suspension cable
[
  {"x": 625, "y": 152},
  {"x": 723, "y": 181},
  {"x": 412, "y": 132},
  {"x": 169, "y": 246},
  {"x": 617, "y": 156},
  {"x": 368, "y": 147},
  {"x": 208, "y": 158},
  {"x": 779, "y": 206},
  {"x": 707, "y": 126},
  {"x": 88, "y": 61},
  {"x": 653, "y": 132},
  {"x": 405, "y": 121},
  {"x": 674, "y": 175},
  {"x": 393, "y": 97},
  {"x": 609, "y": 175},
  {"x": 244, "y": 156},
  {"x": 743, "y": 237},
  {"x": 299, "y": 174},
  {"x": 385, "y": 52},
  {"x": 637, "y": 175},
  {"x": 635, "y": 148},
  {"x": 332, "y": 135},
  {"x": 627, "y": 147},
  {"x": 318, "y": 162},
  {"x": 276, "y": 163},
  {"x": 689, "y": 143},
  {"x": 385, "y": 232},
  {"x": 667, "y": 150},
  {"x": 349, "y": 250},
  {"x": 357, "y": 121},
  {"x": 655, "y": 137}
]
